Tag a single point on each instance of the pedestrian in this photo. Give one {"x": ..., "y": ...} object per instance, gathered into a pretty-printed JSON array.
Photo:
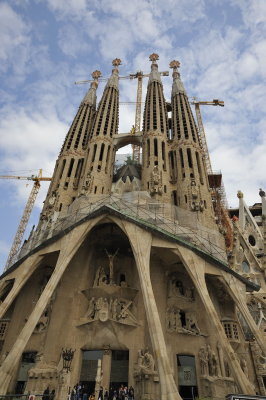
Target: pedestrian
[
  {"x": 106, "y": 395},
  {"x": 130, "y": 393},
  {"x": 46, "y": 394},
  {"x": 52, "y": 394}
]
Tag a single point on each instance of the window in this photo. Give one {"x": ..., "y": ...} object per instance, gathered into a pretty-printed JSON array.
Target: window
[
  {"x": 231, "y": 330},
  {"x": 3, "y": 328}
]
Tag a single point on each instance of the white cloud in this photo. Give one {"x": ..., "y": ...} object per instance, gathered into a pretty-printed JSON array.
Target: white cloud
[{"x": 15, "y": 40}]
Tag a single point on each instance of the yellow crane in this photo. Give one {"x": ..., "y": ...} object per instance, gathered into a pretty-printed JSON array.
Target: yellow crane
[
  {"x": 136, "y": 128},
  {"x": 26, "y": 213}
]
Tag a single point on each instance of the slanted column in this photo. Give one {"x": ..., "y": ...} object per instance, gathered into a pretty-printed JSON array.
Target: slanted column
[
  {"x": 29, "y": 266},
  {"x": 195, "y": 267},
  {"x": 106, "y": 368},
  {"x": 141, "y": 246},
  {"x": 70, "y": 245}
]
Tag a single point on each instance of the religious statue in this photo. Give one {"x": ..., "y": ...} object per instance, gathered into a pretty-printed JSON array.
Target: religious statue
[
  {"x": 111, "y": 265},
  {"x": 191, "y": 323},
  {"x": 156, "y": 181},
  {"x": 196, "y": 202},
  {"x": 146, "y": 364},
  {"x": 203, "y": 357}
]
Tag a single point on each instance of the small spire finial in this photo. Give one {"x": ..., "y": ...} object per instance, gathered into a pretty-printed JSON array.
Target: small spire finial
[
  {"x": 174, "y": 64},
  {"x": 96, "y": 74},
  {"x": 116, "y": 62},
  {"x": 154, "y": 57},
  {"x": 240, "y": 195}
]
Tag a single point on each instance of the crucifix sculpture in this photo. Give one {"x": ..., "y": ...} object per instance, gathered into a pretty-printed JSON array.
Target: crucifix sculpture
[{"x": 111, "y": 264}]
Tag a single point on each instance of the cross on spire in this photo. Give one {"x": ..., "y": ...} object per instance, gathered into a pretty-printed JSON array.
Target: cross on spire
[
  {"x": 116, "y": 62},
  {"x": 154, "y": 57},
  {"x": 96, "y": 74}
]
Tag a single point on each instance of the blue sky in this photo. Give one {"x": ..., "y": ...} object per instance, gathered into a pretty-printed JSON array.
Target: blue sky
[{"x": 47, "y": 45}]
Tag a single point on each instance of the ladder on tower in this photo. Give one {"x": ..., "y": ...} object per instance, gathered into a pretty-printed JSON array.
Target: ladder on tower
[{"x": 26, "y": 213}]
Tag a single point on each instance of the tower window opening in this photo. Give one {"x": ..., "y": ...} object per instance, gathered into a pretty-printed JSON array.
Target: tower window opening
[
  {"x": 155, "y": 148},
  {"x": 205, "y": 204},
  {"x": 101, "y": 152},
  {"x": 181, "y": 157},
  {"x": 107, "y": 158},
  {"x": 60, "y": 207},
  {"x": 189, "y": 158},
  {"x": 62, "y": 168},
  {"x": 185, "y": 198},
  {"x": 165, "y": 189},
  {"x": 81, "y": 127},
  {"x": 66, "y": 185},
  {"x": 199, "y": 167},
  {"x": 79, "y": 168},
  {"x": 87, "y": 127},
  {"x": 70, "y": 167},
  {"x": 102, "y": 189},
  {"x": 94, "y": 152},
  {"x": 95, "y": 190},
  {"x": 174, "y": 197}
]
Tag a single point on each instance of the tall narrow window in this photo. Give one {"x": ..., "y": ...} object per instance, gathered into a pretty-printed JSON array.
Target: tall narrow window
[
  {"x": 189, "y": 158},
  {"x": 101, "y": 152},
  {"x": 181, "y": 158},
  {"x": 155, "y": 148},
  {"x": 70, "y": 167},
  {"x": 199, "y": 167},
  {"x": 94, "y": 152},
  {"x": 62, "y": 168}
]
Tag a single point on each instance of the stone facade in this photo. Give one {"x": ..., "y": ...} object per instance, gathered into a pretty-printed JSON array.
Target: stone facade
[{"x": 130, "y": 281}]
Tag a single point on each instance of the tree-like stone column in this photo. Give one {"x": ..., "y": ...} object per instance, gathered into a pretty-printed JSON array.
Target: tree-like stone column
[
  {"x": 69, "y": 246},
  {"x": 141, "y": 245},
  {"x": 195, "y": 267}
]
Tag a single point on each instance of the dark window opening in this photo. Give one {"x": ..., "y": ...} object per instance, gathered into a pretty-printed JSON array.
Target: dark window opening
[
  {"x": 155, "y": 148},
  {"x": 70, "y": 167}
]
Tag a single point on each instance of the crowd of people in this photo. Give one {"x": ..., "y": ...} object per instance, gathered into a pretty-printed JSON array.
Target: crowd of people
[{"x": 80, "y": 392}]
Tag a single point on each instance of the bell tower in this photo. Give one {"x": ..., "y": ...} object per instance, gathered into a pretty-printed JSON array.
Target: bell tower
[
  {"x": 155, "y": 134},
  {"x": 187, "y": 166},
  {"x": 67, "y": 173},
  {"x": 98, "y": 169}
]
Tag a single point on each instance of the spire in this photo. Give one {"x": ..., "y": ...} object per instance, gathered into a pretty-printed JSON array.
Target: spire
[
  {"x": 183, "y": 123},
  {"x": 177, "y": 83},
  {"x": 106, "y": 121},
  {"x": 113, "y": 80},
  {"x": 154, "y": 75},
  {"x": 90, "y": 97},
  {"x": 155, "y": 114}
]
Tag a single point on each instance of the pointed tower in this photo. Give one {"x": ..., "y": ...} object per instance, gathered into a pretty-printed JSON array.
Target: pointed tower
[
  {"x": 68, "y": 168},
  {"x": 155, "y": 134},
  {"x": 187, "y": 167},
  {"x": 98, "y": 169}
]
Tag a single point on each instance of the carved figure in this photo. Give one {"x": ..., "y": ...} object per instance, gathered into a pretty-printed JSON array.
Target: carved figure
[
  {"x": 111, "y": 264},
  {"x": 196, "y": 203},
  {"x": 191, "y": 322},
  {"x": 203, "y": 356},
  {"x": 100, "y": 277},
  {"x": 173, "y": 319},
  {"x": 91, "y": 308},
  {"x": 243, "y": 364},
  {"x": 156, "y": 181},
  {"x": 43, "y": 322},
  {"x": 146, "y": 364}
]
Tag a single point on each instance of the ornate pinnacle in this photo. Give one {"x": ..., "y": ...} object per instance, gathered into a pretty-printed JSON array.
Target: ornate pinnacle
[
  {"x": 116, "y": 62},
  {"x": 96, "y": 74},
  {"x": 174, "y": 64},
  {"x": 240, "y": 194},
  {"x": 154, "y": 57}
]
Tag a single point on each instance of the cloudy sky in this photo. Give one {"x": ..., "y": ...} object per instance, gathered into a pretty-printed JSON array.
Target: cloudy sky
[{"x": 47, "y": 45}]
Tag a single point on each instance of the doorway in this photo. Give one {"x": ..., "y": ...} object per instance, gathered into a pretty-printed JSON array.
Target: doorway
[
  {"x": 89, "y": 369},
  {"x": 114, "y": 369},
  {"x": 187, "y": 379}
]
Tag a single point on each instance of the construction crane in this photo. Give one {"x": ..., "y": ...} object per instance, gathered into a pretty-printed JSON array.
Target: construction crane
[
  {"x": 202, "y": 136},
  {"x": 136, "y": 128},
  {"x": 26, "y": 213},
  {"x": 215, "y": 179}
]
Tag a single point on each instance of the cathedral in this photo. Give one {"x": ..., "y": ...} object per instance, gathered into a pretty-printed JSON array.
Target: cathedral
[{"x": 137, "y": 275}]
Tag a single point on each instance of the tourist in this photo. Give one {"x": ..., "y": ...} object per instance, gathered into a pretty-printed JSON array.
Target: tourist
[
  {"x": 131, "y": 393},
  {"x": 46, "y": 394}
]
